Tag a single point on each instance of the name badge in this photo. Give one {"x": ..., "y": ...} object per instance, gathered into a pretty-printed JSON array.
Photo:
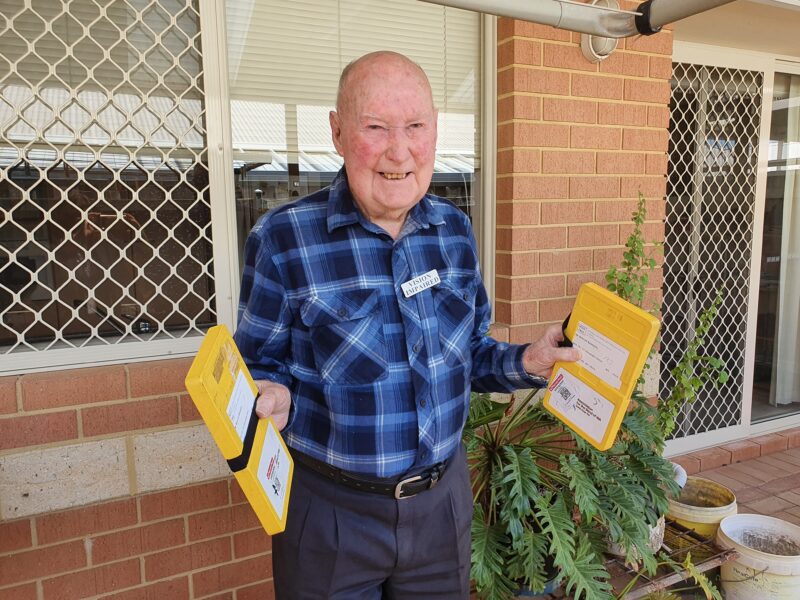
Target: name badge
[{"x": 423, "y": 282}]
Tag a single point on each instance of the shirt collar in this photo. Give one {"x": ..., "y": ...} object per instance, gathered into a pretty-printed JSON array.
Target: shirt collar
[{"x": 342, "y": 210}]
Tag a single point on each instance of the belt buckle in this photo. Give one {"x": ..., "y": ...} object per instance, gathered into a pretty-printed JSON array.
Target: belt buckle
[
  {"x": 433, "y": 478},
  {"x": 398, "y": 489}
]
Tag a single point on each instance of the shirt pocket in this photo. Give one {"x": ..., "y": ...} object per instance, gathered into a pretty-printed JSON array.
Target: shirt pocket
[
  {"x": 346, "y": 331},
  {"x": 455, "y": 311}
]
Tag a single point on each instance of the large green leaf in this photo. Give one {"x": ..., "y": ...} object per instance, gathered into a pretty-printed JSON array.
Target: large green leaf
[
  {"x": 520, "y": 477},
  {"x": 581, "y": 484},
  {"x": 558, "y": 527},
  {"x": 488, "y": 562},
  {"x": 527, "y": 563},
  {"x": 587, "y": 578}
]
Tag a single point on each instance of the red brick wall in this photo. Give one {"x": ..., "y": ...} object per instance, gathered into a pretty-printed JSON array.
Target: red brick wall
[
  {"x": 576, "y": 142},
  {"x": 79, "y": 404},
  {"x": 200, "y": 541},
  {"x": 197, "y": 541}
]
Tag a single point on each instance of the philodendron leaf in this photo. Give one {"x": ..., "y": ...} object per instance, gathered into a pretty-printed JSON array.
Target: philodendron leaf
[
  {"x": 581, "y": 484},
  {"x": 528, "y": 564},
  {"x": 520, "y": 479},
  {"x": 488, "y": 569},
  {"x": 587, "y": 578},
  {"x": 558, "y": 527}
]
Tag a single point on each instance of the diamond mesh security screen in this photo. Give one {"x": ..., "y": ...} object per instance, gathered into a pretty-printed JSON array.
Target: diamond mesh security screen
[
  {"x": 104, "y": 210},
  {"x": 714, "y": 126}
]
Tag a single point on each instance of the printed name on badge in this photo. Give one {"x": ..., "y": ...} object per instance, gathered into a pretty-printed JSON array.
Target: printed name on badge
[{"x": 423, "y": 282}]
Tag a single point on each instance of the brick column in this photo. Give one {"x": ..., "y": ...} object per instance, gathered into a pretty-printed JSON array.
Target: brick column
[{"x": 576, "y": 142}]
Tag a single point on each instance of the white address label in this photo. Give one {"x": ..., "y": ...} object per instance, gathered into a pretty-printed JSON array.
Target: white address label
[
  {"x": 580, "y": 404},
  {"x": 602, "y": 356}
]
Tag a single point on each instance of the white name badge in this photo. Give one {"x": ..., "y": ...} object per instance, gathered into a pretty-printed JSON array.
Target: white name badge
[{"x": 423, "y": 282}]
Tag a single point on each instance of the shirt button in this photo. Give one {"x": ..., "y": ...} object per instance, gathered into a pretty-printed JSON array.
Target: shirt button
[
  {"x": 465, "y": 296},
  {"x": 423, "y": 403},
  {"x": 342, "y": 312},
  {"x": 416, "y": 347}
]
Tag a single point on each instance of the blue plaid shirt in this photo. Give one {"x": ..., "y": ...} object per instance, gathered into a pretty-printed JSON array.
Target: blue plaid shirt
[{"x": 379, "y": 382}]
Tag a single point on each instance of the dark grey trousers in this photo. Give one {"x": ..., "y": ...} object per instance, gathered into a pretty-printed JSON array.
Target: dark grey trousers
[{"x": 345, "y": 544}]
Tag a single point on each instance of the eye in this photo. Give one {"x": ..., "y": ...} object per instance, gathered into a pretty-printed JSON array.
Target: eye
[{"x": 376, "y": 128}]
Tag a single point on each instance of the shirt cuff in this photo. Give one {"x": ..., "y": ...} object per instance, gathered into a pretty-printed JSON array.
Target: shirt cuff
[{"x": 515, "y": 371}]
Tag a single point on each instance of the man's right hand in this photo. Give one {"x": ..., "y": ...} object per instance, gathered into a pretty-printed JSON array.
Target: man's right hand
[{"x": 273, "y": 401}]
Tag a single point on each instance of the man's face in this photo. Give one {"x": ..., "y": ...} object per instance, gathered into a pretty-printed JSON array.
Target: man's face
[{"x": 386, "y": 131}]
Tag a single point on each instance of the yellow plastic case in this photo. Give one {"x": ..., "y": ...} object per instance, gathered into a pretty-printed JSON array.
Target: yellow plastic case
[
  {"x": 224, "y": 393},
  {"x": 615, "y": 337}
]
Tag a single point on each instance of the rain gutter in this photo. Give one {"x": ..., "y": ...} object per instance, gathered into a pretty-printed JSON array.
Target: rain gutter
[{"x": 647, "y": 19}]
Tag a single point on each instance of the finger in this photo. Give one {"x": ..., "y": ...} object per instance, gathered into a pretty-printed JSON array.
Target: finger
[{"x": 265, "y": 406}]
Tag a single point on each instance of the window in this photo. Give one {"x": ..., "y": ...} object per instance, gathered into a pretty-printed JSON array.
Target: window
[
  {"x": 105, "y": 234},
  {"x": 285, "y": 60}
]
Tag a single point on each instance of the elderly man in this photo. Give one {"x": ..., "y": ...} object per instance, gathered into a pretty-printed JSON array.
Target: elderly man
[{"x": 364, "y": 317}]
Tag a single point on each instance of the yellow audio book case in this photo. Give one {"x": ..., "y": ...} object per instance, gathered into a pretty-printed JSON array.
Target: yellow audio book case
[
  {"x": 224, "y": 393},
  {"x": 615, "y": 338}
]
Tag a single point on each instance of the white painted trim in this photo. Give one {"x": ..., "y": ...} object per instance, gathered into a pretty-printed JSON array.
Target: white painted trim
[
  {"x": 99, "y": 354},
  {"x": 220, "y": 159},
  {"x": 774, "y": 425},
  {"x": 705, "y": 440},
  {"x": 487, "y": 221},
  {"x": 758, "y": 238},
  {"x": 722, "y": 56},
  {"x": 785, "y": 4},
  {"x": 729, "y": 434}
]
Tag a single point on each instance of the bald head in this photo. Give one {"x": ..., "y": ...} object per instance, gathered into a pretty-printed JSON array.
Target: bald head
[
  {"x": 383, "y": 63},
  {"x": 385, "y": 128}
]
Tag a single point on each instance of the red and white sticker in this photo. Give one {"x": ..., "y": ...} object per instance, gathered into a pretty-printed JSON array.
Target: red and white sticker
[{"x": 273, "y": 470}]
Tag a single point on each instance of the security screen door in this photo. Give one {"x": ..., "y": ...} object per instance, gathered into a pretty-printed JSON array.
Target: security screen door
[{"x": 711, "y": 194}]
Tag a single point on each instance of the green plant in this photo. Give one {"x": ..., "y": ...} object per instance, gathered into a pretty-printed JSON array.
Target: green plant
[
  {"x": 693, "y": 371},
  {"x": 543, "y": 495},
  {"x": 629, "y": 280},
  {"x": 541, "y": 492}
]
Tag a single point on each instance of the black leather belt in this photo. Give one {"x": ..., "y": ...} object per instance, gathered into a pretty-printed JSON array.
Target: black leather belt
[{"x": 400, "y": 489}]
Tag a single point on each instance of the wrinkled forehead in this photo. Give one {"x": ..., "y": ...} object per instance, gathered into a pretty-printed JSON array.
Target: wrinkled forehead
[{"x": 386, "y": 82}]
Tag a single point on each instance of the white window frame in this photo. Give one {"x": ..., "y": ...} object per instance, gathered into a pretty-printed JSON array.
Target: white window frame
[{"x": 768, "y": 64}]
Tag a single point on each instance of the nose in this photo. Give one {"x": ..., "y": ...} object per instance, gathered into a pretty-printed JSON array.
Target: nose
[{"x": 398, "y": 145}]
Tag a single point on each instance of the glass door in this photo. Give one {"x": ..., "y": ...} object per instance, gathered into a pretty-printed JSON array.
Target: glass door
[{"x": 776, "y": 380}]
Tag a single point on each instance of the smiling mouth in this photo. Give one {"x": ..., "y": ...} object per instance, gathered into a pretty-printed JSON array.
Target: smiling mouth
[{"x": 393, "y": 175}]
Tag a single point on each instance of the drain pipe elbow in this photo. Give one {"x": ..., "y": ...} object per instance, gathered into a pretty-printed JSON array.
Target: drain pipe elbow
[{"x": 643, "y": 24}]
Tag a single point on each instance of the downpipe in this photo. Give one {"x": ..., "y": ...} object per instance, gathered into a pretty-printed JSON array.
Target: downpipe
[{"x": 591, "y": 19}]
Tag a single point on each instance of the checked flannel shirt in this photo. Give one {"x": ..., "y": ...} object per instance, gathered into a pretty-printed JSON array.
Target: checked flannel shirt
[{"x": 379, "y": 382}]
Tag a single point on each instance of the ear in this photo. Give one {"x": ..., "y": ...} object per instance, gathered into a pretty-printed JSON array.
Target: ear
[{"x": 336, "y": 131}]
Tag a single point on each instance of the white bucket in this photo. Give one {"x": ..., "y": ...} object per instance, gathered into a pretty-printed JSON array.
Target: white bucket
[{"x": 768, "y": 565}]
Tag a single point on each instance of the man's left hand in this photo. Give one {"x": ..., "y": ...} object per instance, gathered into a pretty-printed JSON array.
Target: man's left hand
[{"x": 542, "y": 354}]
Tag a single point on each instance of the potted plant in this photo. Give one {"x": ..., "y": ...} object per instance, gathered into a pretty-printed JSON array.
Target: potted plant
[{"x": 545, "y": 498}]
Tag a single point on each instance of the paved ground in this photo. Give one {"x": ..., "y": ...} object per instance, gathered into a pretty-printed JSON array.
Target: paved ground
[{"x": 767, "y": 485}]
